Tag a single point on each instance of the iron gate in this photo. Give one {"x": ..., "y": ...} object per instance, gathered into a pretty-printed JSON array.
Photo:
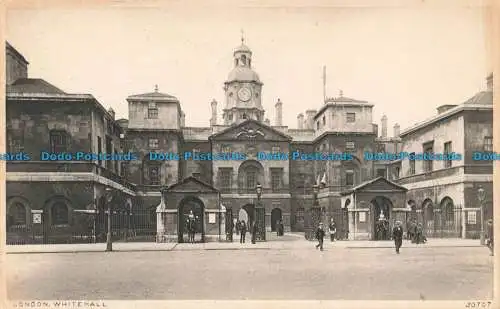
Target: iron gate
[{"x": 441, "y": 223}]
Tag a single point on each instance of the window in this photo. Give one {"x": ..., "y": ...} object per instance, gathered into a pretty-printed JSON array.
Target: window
[
  {"x": 16, "y": 143},
  {"x": 276, "y": 179},
  {"x": 299, "y": 215},
  {"x": 226, "y": 175},
  {"x": 349, "y": 178},
  {"x": 99, "y": 149},
  {"x": 349, "y": 145},
  {"x": 152, "y": 111},
  {"x": 447, "y": 150},
  {"x": 428, "y": 148},
  {"x": 380, "y": 148},
  {"x": 471, "y": 217},
  {"x": 412, "y": 163},
  {"x": 59, "y": 213},
  {"x": 351, "y": 117},
  {"x": 154, "y": 175},
  {"x": 154, "y": 143},
  {"x": 488, "y": 144},
  {"x": 324, "y": 120},
  {"x": 17, "y": 213},
  {"x": 116, "y": 163},
  {"x": 251, "y": 179},
  {"x": 275, "y": 149},
  {"x": 109, "y": 150},
  {"x": 380, "y": 172},
  {"x": 225, "y": 148},
  {"x": 58, "y": 141},
  {"x": 301, "y": 181}
]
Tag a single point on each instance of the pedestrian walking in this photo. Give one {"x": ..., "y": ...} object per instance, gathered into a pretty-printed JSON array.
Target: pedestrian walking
[
  {"x": 320, "y": 235},
  {"x": 281, "y": 228},
  {"x": 489, "y": 236},
  {"x": 243, "y": 231},
  {"x": 332, "y": 228},
  {"x": 397, "y": 235}
]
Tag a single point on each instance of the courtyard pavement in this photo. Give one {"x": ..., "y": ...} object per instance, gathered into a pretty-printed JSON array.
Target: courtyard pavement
[
  {"x": 289, "y": 241},
  {"x": 299, "y": 272}
]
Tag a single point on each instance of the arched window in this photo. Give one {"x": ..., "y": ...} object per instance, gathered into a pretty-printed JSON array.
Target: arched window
[
  {"x": 18, "y": 214},
  {"x": 243, "y": 60},
  {"x": 59, "y": 213}
]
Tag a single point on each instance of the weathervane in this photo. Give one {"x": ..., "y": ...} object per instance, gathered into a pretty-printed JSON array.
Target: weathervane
[
  {"x": 156, "y": 88},
  {"x": 242, "y": 36}
]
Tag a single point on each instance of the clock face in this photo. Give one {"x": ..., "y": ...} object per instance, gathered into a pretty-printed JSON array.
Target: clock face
[{"x": 244, "y": 94}]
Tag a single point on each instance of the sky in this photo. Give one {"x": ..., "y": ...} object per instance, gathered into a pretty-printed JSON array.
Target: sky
[{"x": 405, "y": 61}]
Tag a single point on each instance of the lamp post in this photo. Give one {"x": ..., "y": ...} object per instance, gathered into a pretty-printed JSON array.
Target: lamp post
[
  {"x": 109, "y": 198},
  {"x": 260, "y": 215},
  {"x": 481, "y": 194}
]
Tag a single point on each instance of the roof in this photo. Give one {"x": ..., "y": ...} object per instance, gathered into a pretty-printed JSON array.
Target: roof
[
  {"x": 153, "y": 96},
  {"x": 342, "y": 101},
  {"x": 190, "y": 179},
  {"x": 8, "y": 46},
  {"x": 481, "y": 101},
  {"x": 33, "y": 85},
  {"x": 369, "y": 182},
  {"x": 243, "y": 48},
  {"x": 243, "y": 74}
]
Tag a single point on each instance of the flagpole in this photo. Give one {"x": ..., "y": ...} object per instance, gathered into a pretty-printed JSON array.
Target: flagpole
[{"x": 324, "y": 83}]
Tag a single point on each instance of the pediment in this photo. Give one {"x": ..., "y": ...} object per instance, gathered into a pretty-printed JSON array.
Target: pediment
[
  {"x": 191, "y": 184},
  {"x": 379, "y": 184},
  {"x": 251, "y": 130}
]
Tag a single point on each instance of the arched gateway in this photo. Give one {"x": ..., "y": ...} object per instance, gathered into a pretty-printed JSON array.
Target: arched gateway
[{"x": 191, "y": 211}]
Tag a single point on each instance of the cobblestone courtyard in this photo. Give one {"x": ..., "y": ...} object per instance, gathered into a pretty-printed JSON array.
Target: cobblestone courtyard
[{"x": 294, "y": 273}]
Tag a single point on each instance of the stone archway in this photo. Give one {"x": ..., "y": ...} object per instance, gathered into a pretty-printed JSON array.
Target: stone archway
[
  {"x": 381, "y": 209},
  {"x": 247, "y": 213},
  {"x": 197, "y": 207},
  {"x": 276, "y": 216}
]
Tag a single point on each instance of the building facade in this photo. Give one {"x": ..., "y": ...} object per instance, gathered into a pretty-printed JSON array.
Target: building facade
[{"x": 62, "y": 200}]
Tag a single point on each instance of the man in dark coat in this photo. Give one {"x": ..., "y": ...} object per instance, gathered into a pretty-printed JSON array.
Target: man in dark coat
[
  {"x": 397, "y": 235},
  {"x": 243, "y": 231},
  {"x": 320, "y": 235},
  {"x": 489, "y": 236}
]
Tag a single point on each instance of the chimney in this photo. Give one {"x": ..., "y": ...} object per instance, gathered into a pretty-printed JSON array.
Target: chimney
[
  {"x": 489, "y": 82},
  {"x": 384, "y": 126},
  {"x": 279, "y": 113},
  {"x": 183, "y": 119},
  {"x": 267, "y": 121},
  {"x": 213, "y": 120},
  {"x": 310, "y": 113},
  {"x": 300, "y": 121},
  {"x": 396, "y": 130},
  {"x": 112, "y": 113}
]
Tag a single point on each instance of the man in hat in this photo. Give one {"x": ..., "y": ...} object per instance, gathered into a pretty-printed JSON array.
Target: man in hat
[
  {"x": 320, "y": 235},
  {"x": 489, "y": 235},
  {"x": 397, "y": 235}
]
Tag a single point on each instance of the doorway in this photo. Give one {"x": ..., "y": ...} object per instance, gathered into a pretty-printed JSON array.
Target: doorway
[
  {"x": 191, "y": 214},
  {"x": 381, "y": 210},
  {"x": 276, "y": 216}
]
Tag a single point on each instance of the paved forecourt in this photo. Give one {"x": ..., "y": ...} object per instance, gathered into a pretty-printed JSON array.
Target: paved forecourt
[{"x": 295, "y": 272}]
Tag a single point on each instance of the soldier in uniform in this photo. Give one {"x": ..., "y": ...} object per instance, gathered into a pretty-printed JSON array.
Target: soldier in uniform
[
  {"x": 320, "y": 235},
  {"x": 243, "y": 231}
]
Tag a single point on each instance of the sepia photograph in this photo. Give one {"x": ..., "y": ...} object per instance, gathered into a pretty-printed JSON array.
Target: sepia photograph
[{"x": 242, "y": 150}]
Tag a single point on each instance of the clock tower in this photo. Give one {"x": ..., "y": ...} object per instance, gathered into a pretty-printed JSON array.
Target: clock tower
[{"x": 243, "y": 89}]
